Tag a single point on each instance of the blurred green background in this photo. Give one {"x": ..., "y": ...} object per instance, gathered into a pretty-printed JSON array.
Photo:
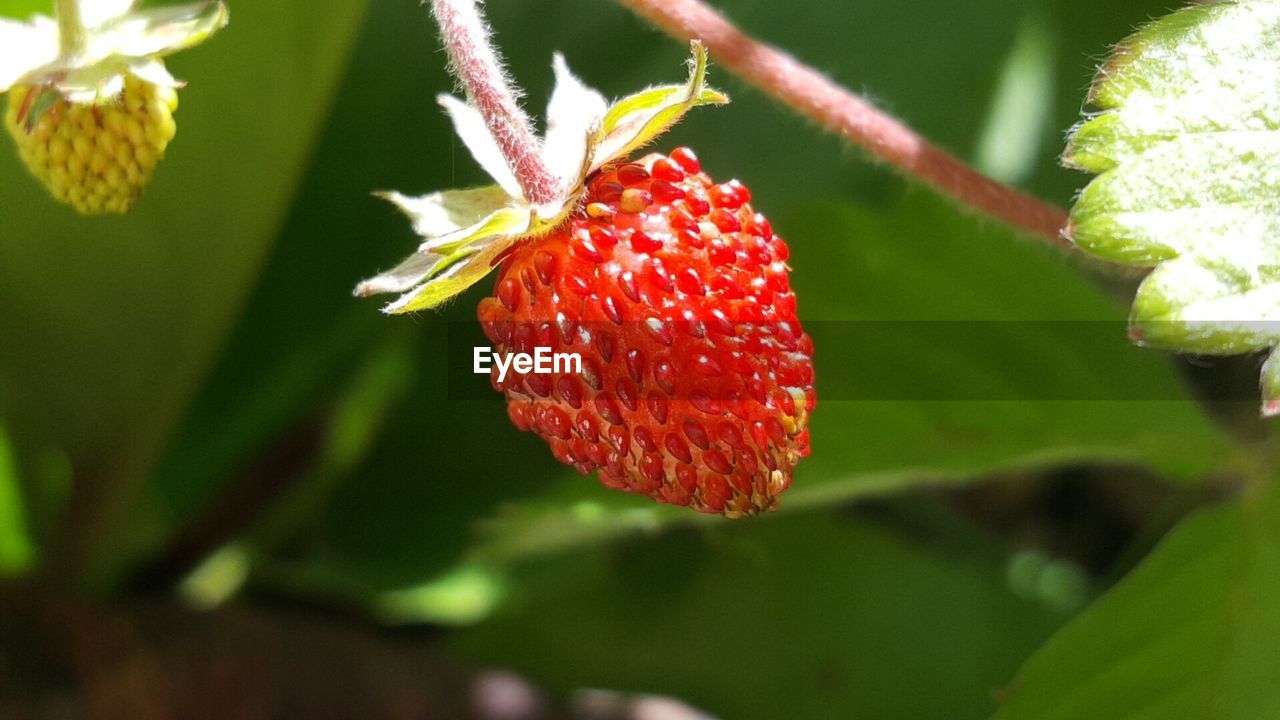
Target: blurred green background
[{"x": 192, "y": 402}]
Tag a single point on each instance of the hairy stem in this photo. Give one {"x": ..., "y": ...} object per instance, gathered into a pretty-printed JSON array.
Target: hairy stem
[
  {"x": 71, "y": 31},
  {"x": 479, "y": 69},
  {"x": 822, "y": 100}
]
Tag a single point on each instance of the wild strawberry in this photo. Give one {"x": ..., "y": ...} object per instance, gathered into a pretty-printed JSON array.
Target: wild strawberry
[
  {"x": 95, "y": 158},
  {"x": 90, "y": 100},
  {"x": 697, "y": 379}
]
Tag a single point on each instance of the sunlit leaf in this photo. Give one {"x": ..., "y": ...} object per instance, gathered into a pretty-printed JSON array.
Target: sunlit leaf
[
  {"x": 945, "y": 350},
  {"x": 1189, "y": 635},
  {"x": 805, "y": 618},
  {"x": 1187, "y": 144}
]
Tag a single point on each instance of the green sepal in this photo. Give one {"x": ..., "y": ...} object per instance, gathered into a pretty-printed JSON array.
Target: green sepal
[
  {"x": 456, "y": 271},
  {"x": 132, "y": 42},
  {"x": 157, "y": 32},
  {"x": 37, "y": 107},
  {"x": 467, "y": 231},
  {"x": 634, "y": 121}
]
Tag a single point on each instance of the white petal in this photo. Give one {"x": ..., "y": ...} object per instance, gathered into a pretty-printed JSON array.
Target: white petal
[
  {"x": 158, "y": 31},
  {"x": 154, "y": 72},
  {"x": 94, "y": 12},
  {"x": 444, "y": 213},
  {"x": 475, "y": 134},
  {"x": 402, "y": 277},
  {"x": 25, "y": 47},
  {"x": 100, "y": 83},
  {"x": 408, "y": 299},
  {"x": 433, "y": 275},
  {"x": 465, "y": 268},
  {"x": 573, "y": 114}
]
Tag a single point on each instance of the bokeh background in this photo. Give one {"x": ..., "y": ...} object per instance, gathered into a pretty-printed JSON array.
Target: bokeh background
[{"x": 194, "y": 410}]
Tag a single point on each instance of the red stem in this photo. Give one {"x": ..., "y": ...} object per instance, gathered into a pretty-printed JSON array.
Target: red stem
[
  {"x": 819, "y": 98},
  {"x": 479, "y": 69}
]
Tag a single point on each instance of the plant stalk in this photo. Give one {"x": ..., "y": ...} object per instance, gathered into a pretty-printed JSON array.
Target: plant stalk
[
  {"x": 479, "y": 69},
  {"x": 854, "y": 118},
  {"x": 72, "y": 34}
]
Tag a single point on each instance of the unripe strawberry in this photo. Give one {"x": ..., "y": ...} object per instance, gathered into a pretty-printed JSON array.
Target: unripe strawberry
[
  {"x": 697, "y": 379},
  {"x": 96, "y": 158},
  {"x": 91, "y": 102}
]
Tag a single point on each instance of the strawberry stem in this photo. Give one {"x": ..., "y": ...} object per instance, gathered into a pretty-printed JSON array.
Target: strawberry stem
[
  {"x": 854, "y": 118},
  {"x": 478, "y": 67},
  {"x": 71, "y": 30}
]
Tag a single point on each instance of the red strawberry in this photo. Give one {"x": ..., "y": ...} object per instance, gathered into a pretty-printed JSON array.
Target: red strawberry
[{"x": 697, "y": 379}]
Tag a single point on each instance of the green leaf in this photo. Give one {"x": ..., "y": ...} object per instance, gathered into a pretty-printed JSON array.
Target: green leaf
[
  {"x": 1208, "y": 305},
  {"x": 970, "y": 332},
  {"x": 816, "y": 617},
  {"x": 945, "y": 350},
  {"x": 119, "y": 319},
  {"x": 1187, "y": 144},
  {"x": 1190, "y": 634},
  {"x": 1206, "y": 70},
  {"x": 450, "y": 456}
]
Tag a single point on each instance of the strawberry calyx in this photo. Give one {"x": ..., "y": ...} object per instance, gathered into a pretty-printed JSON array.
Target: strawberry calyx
[
  {"x": 116, "y": 41},
  {"x": 467, "y": 231}
]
